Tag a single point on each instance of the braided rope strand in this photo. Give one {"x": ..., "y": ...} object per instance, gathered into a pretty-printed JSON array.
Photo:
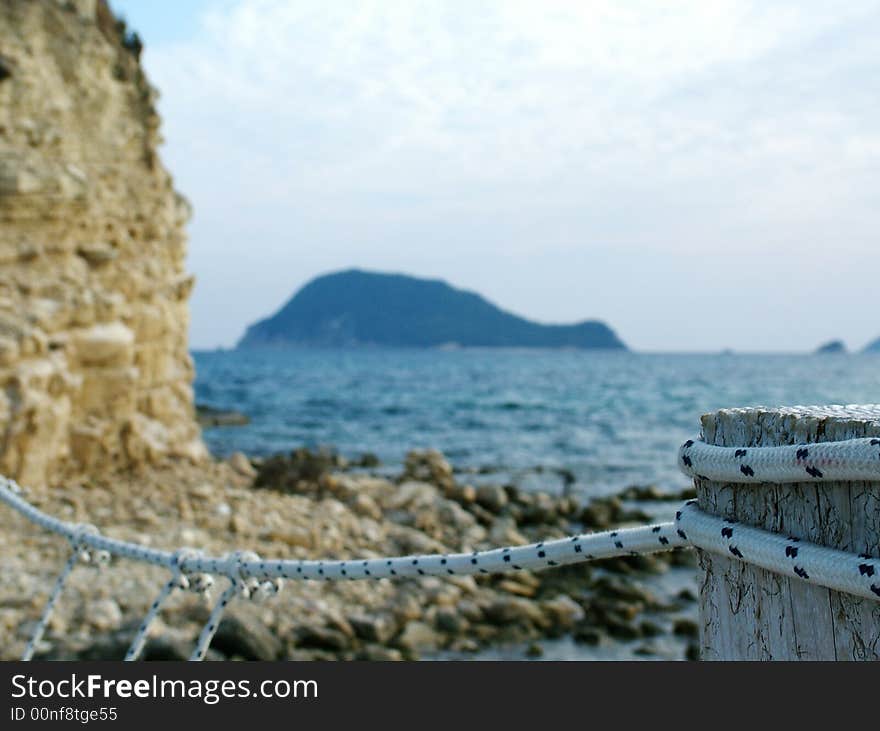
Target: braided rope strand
[
  {"x": 535, "y": 556},
  {"x": 43, "y": 622},
  {"x": 854, "y": 459},
  {"x": 210, "y": 628},
  {"x": 140, "y": 639},
  {"x": 786, "y": 555},
  {"x": 178, "y": 580}
]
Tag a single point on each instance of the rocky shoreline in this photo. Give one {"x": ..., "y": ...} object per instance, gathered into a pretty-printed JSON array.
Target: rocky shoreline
[{"x": 308, "y": 505}]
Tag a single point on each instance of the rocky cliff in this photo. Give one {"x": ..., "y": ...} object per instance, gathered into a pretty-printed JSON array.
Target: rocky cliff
[{"x": 94, "y": 367}]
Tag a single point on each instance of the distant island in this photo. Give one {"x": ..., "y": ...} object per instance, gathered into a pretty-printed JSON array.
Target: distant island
[
  {"x": 834, "y": 346},
  {"x": 873, "y": 347},
  {"x": 359, "y": 308}
]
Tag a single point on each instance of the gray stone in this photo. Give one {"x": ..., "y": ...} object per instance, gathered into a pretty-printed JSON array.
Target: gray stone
[
  {"x": 507, "y": 610},
  {"x": 492, "y": 497},
  {"x": 418, "y": 636},
  {"x": 563, "y": 612},
  {"x": 373, "y": 627},
  {"x": 448, "y": 620},
  {"x": 587, "y": 635},
  {"x": 378, "y": 653},
  {"x": 249, "y": 638},
  {"x": 321, "y": 638},
  {"x": 683, "y": 627}
]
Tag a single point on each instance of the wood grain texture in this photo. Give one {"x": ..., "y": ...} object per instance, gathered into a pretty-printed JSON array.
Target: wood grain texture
[{"x": 748, "y": 613}]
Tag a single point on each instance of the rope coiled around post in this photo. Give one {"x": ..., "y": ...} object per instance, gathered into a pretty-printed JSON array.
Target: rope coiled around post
[
  {"x": 255, "y": 577},
  {"x": 854, "y": 459}
]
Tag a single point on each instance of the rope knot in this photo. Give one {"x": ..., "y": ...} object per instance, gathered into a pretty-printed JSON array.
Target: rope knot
[
  {"x": 180, "y": 579},
  {"x": 103, "y": 558},
  {"x": 201, "y": 583},
  {"x": 80, "y": 546},
  {"x": 269, "y": 588},
  {"x": 195, "y": 581},
  {"x": 12, "y": 486},
  {"x": 245, "y": 582}
]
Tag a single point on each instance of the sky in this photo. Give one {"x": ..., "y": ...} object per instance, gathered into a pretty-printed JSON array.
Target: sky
[{"x": 700, "y": 175}]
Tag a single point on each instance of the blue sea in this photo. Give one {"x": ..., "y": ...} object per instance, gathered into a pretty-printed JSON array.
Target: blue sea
[{"x": 611, "y": 419}]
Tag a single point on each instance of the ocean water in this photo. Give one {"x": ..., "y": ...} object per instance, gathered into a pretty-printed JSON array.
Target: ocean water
[{"x": 611, "y": 419}]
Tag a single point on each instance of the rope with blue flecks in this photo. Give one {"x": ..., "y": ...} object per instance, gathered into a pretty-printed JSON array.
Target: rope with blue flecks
[
  {"x": 854, "y": 459},
  {"x": 252, "y": 577}
]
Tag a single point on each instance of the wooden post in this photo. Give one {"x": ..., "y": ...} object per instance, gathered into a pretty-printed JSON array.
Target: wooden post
[{"x": 747, "y": 613}]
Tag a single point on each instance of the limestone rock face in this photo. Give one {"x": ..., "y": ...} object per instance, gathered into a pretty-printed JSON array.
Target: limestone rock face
[{"x": 94, "y": 367}]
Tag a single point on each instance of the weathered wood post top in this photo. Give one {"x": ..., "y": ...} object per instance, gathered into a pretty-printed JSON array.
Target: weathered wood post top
[{"x": 748, "y": 613}]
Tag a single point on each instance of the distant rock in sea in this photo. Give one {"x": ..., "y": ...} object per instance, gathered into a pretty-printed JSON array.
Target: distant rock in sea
[
  {"x": 356, "y": 308},
  {"x": 873, "y": 347},
  {"x": 209, "y": 416},
  {"x": 834, "y": 346}
]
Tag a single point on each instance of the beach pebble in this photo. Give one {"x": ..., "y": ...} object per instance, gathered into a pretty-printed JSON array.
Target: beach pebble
[
  {"x": 366, "y": 506},
  {"x": 504, "y": 533},
  {"x": 534, "y": 650},
  {"x": 683, "y": 627},
  {"x": 322, "y": 638},
  {"x": 104, "y": 615},
  {"x": 512, "y": 586},
  {"x": 448, "y": 620},
  {"x": 465, "y": 494},
  {"x": 242, "y": 465},
  {"x": 373, "y": 627},
  {"x": 203, "y": 491},
  {"x": 246, "y": 637},
  {"x": 428, "y": 466},
  {"x": 620, "y": 628},
  {"x": 378, "y": 653},
  {"x": 470, "y": 610},
  {"x": 587, "y": 635},
  {"x": 492, "y": 497},
  {"x": 418, "y": 636},
  {"x": 507, "y": 610},
  {"x": 563, "y": 612},
  {"x": 292, "y": 535},
  {"x": 540, "y": 509},
  {"x": 407, "y": 607}
]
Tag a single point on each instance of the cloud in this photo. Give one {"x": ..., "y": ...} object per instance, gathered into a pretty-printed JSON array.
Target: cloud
[{"x": 459, "y": 138}]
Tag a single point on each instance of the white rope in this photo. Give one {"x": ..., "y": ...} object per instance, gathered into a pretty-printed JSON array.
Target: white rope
[
  {"x": 78, "y": 552},
  {"x": 140, "y": 639},
  {"x": 786, "y": 555},
  {"x": 854, "y": 459},
  {"x": 559, "y": 552},
  {"x": 178, "y": 580},
  {"x": 251, "y": 576},
  {"x": 207, "y": 633},
  {"x": 37, "y": 635}
]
